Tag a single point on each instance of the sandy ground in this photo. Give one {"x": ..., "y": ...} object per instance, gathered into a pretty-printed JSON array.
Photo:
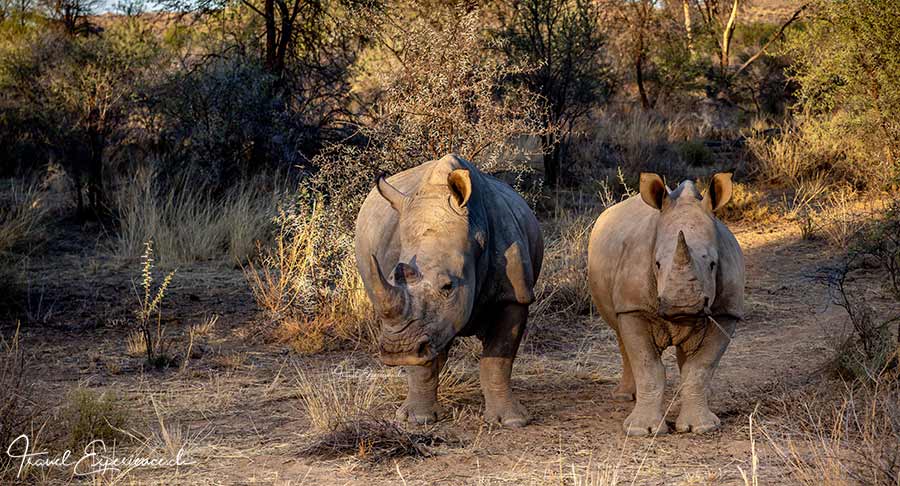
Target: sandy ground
[{"x": 237, "y": 407}]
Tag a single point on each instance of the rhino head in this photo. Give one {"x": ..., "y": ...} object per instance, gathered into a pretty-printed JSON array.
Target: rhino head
[
  {"x": 428, "y": 296},
  {"x": 686, "y": 259}
]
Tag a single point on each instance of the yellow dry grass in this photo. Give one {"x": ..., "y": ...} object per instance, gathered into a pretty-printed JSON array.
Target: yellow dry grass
[
  {"x": 287, "y": 285},
  {"x": 853, "y": 440},
  {"x": 188, "y": 223},
  {"x": 329, "y": 399},
  {"x": 22, "y": 215}
]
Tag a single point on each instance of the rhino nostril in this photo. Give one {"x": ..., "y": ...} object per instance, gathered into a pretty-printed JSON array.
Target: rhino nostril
[{"x": 423, "y": 348}]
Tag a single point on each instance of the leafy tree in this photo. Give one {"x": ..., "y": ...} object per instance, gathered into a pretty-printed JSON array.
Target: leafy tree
[
  {"x": 561, "y": 42},
  {"x": 73, "y": 98},
  {"x": 72, "y": 16}
]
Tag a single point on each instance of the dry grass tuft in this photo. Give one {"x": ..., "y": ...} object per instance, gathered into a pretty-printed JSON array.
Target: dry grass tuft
[
  {"x": 15, "y": 403},
  {"x": 747, "y": 205},
  {"x": 856, "y": 440},
  {"x": 188, "y": 223},
  {"x": 342, "y": 411},
  {"x": 135, "y": 344},
  {"x": 23, "y": 212},
  {"x": 563, "y": 287},
  {"x": 633, "y": 140},
  {"x": 205, "y": 327},
  {"x": 808, "y": 148},
  {"x": 782, "y": 159},
  {"x": 23, "y": 220},
  {"x": 304, "y": 337},
  {"x": 373, "y": 440},
  {"x": 165, "y": 438},
  {"x": 331, "y": 399},
  {"x": 840, "y": 217}
]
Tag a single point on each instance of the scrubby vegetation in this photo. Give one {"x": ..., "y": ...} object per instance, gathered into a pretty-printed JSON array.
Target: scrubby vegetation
[{"x": 236, "y": 140}]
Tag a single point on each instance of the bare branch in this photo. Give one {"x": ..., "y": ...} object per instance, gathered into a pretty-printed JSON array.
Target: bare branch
[{"x": 762, "y": 50}]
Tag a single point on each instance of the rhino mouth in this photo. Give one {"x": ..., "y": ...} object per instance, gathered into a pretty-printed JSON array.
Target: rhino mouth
[
  {"x": 421, "y": 354},
  {"x": 675, "y": 312}
]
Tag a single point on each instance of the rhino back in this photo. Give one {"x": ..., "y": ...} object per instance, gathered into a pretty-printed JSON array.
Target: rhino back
[
  {"x": 730, "y": 278},
  {"x": 515, "y": 245},
  {"x": 620, "y": 252}
]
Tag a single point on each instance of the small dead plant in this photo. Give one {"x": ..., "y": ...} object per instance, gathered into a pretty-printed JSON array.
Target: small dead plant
[
  {"x": 373, "y": 440},
  {"x": 156, "y": 344}
]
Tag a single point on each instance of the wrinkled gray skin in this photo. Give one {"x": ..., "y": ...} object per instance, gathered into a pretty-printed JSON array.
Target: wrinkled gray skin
[
  {"x": 664, "y": 271},
  {"x": 444, "y": 251}
]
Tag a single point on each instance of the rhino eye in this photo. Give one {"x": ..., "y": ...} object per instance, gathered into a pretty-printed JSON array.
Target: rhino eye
[
  {"x": 712, "y": 265},
  {"x": 657, "y": 265}
]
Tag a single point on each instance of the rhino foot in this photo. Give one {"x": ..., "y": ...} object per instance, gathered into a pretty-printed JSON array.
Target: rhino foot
[
  {"x": 420, "y": 413},
  {"x": 698, "y": 420},
  {"x": 641, "y": 423},
  {"x": 509, "y": 414}
]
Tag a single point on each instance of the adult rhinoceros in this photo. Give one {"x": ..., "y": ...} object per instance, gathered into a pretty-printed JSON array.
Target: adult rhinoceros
[
  {"x": 665, "y": 272},
  {"x": 462, "y": 252}
]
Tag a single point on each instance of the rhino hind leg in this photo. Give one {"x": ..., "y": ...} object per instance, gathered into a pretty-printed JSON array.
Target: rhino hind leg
[
  {"x": 647, "y": 418},
  {"x": 625, "y": 390},
  {"x": 501, "y": 342},
  {"x": 421, "y": 406},
  {"x": 697, "y": 370}
]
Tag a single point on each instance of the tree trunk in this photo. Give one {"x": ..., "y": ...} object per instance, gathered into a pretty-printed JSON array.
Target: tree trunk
[
  {"x": 639, "y": 75},
  {"x": 95, "y": 170},
  {"x": 271, "y": 33},
  {"x": 287, "y": 27},
  {"x": 685, "y": 5},
  {"x": 727, "y": 36}
]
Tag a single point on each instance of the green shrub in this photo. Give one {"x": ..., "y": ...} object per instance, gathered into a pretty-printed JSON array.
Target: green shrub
[
  {"x": 89, "y": 415},
  {"x": 695, "y": 153},
  {"x": 847, "y": 62}
]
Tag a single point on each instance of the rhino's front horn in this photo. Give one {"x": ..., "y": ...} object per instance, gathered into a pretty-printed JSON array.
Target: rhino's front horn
[
  {"x": 682, "y": 252},
  {"x": 389, "y": 298}
]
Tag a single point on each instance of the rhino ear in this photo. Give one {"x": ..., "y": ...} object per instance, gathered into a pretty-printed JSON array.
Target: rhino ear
[
  {"x": 719, "y": 192},
  {"x": 460, "y": 183},
  {"x": 391, "y": 194},
  {"x": 653, "y": 190}
]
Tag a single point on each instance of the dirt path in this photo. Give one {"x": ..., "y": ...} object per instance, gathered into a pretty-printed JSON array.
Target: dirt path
[{"x": 238, "y": 411}]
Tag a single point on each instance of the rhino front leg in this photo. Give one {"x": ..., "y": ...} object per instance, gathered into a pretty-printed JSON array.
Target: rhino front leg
[
  {"x": 625, "y": 390},
  {"x": 696, "y": 373},
  {"x": 649, "y": 376},
  {"x": 420, "y": 406},
  {"x": 501, "y": 342}
]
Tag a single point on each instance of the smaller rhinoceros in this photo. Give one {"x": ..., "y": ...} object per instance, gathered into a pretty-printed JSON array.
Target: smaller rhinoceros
[
  {"x": 664, "y": 271},
  {"x": 464, "y": 252}
]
